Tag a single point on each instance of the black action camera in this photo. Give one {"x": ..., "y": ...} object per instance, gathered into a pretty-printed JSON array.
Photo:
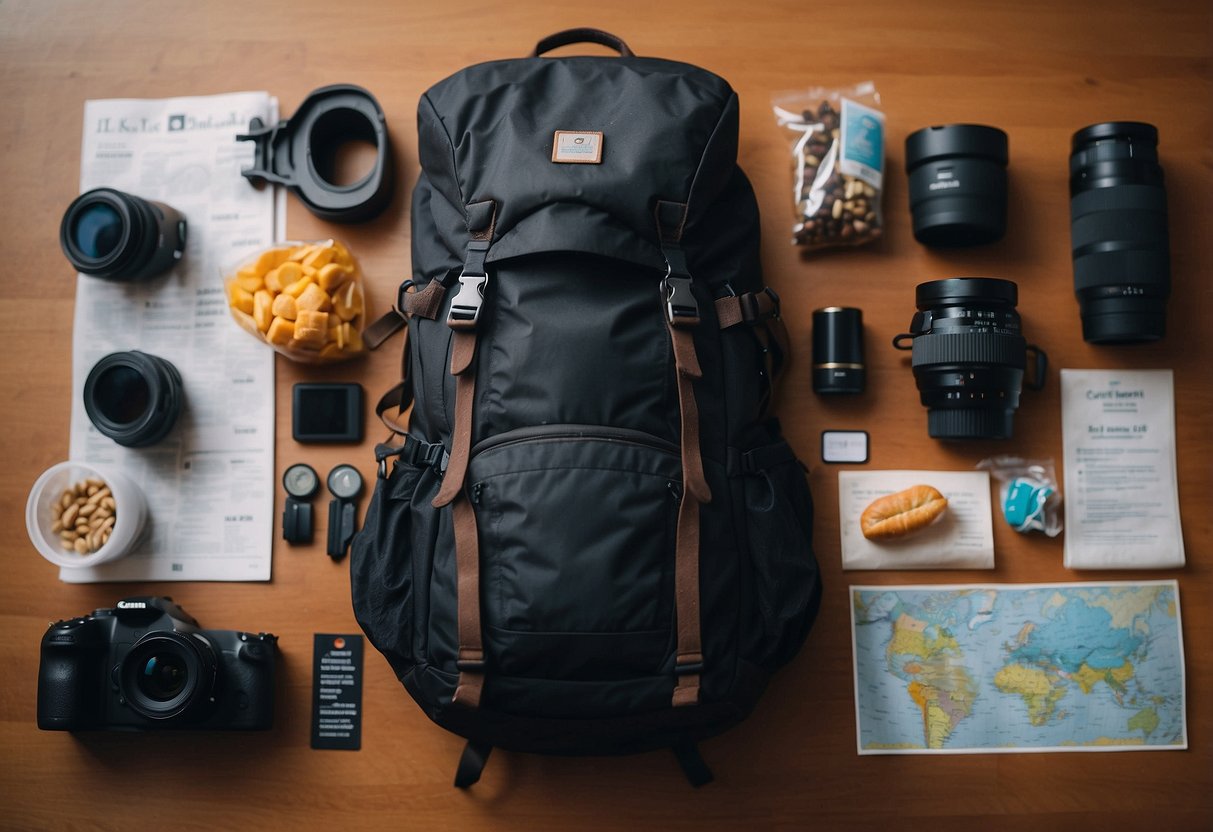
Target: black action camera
[{"x": 146, "y": 664}]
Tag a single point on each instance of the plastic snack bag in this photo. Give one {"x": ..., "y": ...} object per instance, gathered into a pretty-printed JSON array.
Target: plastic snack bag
[
  {"x": 1028, "y": 493},
  {"x": 837, "y": 164},
  {"x": 303, "y": 299}
]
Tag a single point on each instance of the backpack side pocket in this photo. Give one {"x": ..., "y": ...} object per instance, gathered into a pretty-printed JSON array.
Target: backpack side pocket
[
  {"x": 778, "y": 511},
  {"x": 382, "y": 566}
]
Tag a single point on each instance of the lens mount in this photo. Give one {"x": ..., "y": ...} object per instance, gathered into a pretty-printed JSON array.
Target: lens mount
[{"x": 169, "y": 676}]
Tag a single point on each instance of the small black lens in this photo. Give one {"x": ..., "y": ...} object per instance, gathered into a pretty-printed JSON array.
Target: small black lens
[
  {"x": 133, "y": 398},
  {"x": 838, "y": 350},
  {"x": 1118, "y": 233},
  {"x": 122, "y": 395},
  {"x": 118, "y": 236},
  {"x": 958, "y": 184},
  {"x": 163, "y": 677},
  {"x": 97, "y": 229},
  {"x": 169, "y": 675},
  {"x": 969, "y": 356}
]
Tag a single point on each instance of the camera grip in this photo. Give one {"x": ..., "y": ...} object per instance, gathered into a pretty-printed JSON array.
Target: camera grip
[{"x": 65, "y": 675}]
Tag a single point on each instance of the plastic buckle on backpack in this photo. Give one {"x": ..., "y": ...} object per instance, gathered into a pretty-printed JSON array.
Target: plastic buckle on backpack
[
  {"x": 680, "y": 304},
  {"x": 465, "y": 306}
]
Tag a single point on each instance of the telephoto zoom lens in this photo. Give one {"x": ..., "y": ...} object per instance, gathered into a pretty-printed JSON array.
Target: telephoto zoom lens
[
  {"x": 958, "y": 184},
  {"x": 110, "y": 234},
  {"x": 969, "y": 356},
  {"x": 1118, "y": 233},
  {"x": 133, "y": 398}
]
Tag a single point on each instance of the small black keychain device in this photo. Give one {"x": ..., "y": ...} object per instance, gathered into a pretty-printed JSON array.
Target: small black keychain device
[
  {"x": 345, "y": 484},
  {"x": 301, "y": 483}
]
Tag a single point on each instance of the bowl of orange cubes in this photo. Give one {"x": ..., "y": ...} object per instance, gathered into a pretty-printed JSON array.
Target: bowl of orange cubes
[{"x": 303, "y": 299}]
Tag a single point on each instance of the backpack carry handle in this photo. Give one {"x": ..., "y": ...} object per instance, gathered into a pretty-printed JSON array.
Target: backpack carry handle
[{"x": 583, "y": 35}]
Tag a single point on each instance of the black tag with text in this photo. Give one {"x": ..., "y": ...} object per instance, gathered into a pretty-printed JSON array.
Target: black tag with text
[{"x": 337, "y": 692}]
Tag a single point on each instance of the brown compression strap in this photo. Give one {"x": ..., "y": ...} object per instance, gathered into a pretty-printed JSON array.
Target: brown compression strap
[
  {"x": 689, "y": 661},
  {"x": 749, "y": 308},
  {"x": 682, "y": 316},
  {"x": 463, "y": 317},
  {"x": 463, "y": 353},
  {"x": 427, "y": 303},
  {"x": 467, "y": 565},
  {"x": 400, "y": 397},
  {"x": 761, "y": 311}
]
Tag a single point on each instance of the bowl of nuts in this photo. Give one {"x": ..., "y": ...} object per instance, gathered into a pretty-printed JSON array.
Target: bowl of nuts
[{"x": 79, "y": 514}]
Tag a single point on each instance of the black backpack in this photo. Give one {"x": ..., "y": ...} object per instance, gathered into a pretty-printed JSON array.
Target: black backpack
[{"x": 592, "y": 538}]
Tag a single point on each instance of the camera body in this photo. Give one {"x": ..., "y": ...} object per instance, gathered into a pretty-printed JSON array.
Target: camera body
[{"x": 146, "y": 665}]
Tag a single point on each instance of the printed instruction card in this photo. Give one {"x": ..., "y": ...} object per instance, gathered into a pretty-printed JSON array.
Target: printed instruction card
[
  {"x": 1122, "y": 498},
  {"x": 963, "y": 538},
  {"x": 210, "y": 482}
]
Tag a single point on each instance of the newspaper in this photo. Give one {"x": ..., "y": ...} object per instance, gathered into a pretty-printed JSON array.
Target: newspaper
[{"x": 210, "y": 483}]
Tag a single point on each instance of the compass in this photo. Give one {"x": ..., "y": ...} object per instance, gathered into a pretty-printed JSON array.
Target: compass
[
  {"x": 301, "y": 483},
  {"x": 345, "y": 484}
]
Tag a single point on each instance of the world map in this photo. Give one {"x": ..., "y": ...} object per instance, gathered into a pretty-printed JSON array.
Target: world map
[{"x": 1009, "y": 667}]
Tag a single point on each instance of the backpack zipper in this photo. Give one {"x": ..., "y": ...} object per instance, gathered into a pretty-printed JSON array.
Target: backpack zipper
[{"x": 538, "y": 433}]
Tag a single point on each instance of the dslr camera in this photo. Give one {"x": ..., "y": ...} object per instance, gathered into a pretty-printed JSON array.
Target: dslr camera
[{"x": 146, "y": 664}]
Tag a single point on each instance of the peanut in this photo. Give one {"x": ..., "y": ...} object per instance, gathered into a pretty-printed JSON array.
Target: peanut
[{"x": 84, "y": 516}]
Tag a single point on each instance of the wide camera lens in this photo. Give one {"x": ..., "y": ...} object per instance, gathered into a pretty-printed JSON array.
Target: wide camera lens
[
  {"x": 958, "y": 184},
  {"x": 1118, "y": 233},
  {"x": 133, "y": 398},
  {"x": 114, "y": 235},
  {"x": 969, "y": 356},
  {"x": 169, "y": 675}
]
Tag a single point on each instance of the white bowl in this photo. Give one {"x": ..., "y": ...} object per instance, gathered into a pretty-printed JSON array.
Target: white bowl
[{"x": 130, "y": 508}]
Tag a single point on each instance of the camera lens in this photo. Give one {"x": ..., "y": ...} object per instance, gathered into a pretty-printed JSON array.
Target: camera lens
[
  {"x": 958, "y": 184},
  {"x": 169, "y": 675},
  {"x": 969, "y": 356},
  {"x": 1118, "y": 233},
  {"x": 163, "y": 676},
  {"x": 133, "y": 398},
  {"x": 838, "y": 350},
  {"x": 97, "y": 229},
  {"x": 117, "y": 236}
]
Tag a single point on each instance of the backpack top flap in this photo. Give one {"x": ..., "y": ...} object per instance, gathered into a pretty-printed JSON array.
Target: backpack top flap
[{"x": 668, "y": 132}]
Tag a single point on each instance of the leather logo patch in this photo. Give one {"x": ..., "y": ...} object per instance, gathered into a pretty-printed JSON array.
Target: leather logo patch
[{"x": 577, "y": 147}]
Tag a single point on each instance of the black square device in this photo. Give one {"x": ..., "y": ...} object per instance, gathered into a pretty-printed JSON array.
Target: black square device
[{"x": 326, "y": 413}]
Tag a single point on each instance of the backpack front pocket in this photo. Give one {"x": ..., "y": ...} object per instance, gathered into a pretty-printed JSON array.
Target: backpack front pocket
[{"x": 576, "y": 527}]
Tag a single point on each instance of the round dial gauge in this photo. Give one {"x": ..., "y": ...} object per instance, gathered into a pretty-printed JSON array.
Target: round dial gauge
[{"x": 301, "y": 481}]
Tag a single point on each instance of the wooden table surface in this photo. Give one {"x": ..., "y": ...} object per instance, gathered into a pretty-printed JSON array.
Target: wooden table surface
[{"x": 1039, "y": 70}]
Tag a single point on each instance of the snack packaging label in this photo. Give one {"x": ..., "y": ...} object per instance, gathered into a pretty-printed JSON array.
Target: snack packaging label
[{"x": 862, "y": 142}]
